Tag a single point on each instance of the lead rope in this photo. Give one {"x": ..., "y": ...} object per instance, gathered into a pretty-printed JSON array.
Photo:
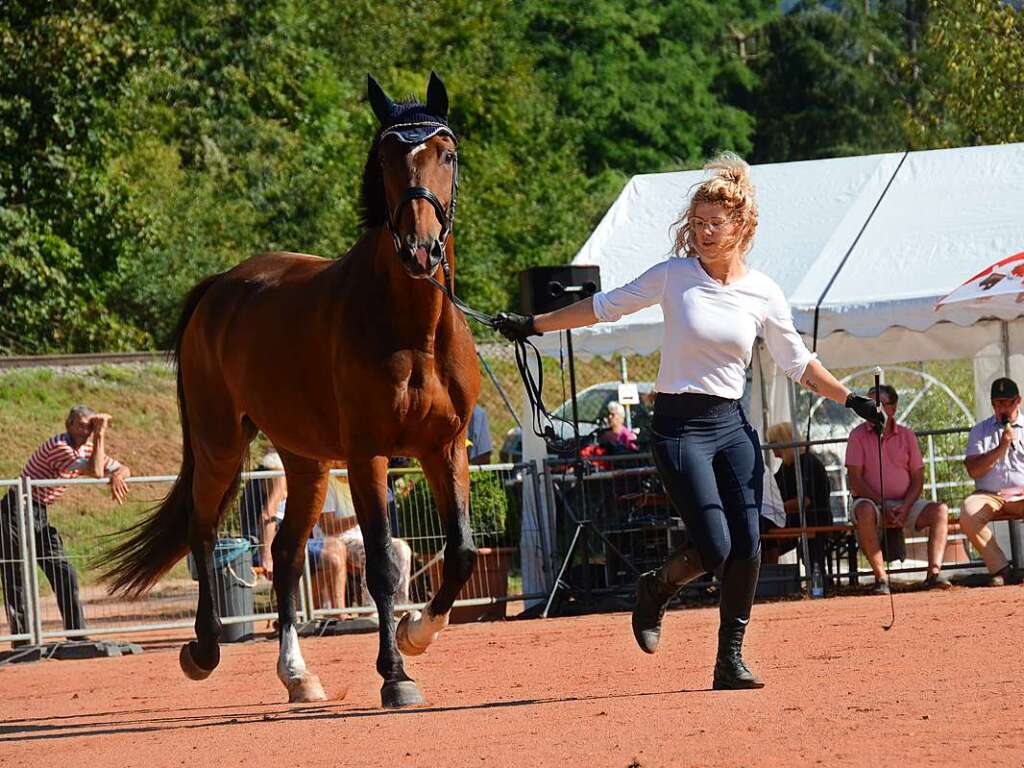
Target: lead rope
[{"x": 543, "y": 423}]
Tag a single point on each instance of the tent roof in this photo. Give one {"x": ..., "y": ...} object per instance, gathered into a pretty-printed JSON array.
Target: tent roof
[{"x": 876, "y": 239}]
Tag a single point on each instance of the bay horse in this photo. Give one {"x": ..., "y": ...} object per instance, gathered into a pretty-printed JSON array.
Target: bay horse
[{"x": 355, "y": 360}]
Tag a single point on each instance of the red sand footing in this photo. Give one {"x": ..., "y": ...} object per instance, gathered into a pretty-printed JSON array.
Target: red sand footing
[{"x": 943, "y": 688}]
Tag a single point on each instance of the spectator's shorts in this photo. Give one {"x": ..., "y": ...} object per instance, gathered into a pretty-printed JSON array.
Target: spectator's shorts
[
  {"x": 909, "y": 527},
  {"x": 314, "y": 550}
]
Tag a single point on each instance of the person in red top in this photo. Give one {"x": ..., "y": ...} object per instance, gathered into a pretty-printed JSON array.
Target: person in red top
[
  {"x": 80, "y": 450},
  {"x": 903, "y": 478}
]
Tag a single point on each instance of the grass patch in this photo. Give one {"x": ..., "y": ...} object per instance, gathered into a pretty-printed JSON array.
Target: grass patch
[{"x": 145, "y": 432}]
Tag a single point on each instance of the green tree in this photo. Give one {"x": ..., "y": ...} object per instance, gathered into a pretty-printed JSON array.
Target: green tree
[
  {"x": 63, "y": 230},
  {"x": 830, "y": 83},
  {"x": 647, "y": 86},
  {"x": 971, "y": 67}
]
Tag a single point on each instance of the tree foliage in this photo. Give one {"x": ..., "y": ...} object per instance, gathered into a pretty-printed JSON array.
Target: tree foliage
[
  {"x": 975, "y": 74},
  {"x": 147, "y": 143},
  {"x": 829, "y": 83}
]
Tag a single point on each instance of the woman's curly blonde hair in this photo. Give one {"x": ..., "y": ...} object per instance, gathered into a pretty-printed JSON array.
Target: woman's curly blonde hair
[{"x": 729, "y": 187}]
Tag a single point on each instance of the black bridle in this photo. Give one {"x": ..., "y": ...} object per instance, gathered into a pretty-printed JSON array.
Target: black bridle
[
  {"x": 445, "y": 217},
  {"x": 543, "y": 420}
]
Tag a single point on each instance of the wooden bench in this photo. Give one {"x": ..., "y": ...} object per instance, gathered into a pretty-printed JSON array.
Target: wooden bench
[
  {"x": 846, "y": 530},
  {"x": 646, "y": 499}
]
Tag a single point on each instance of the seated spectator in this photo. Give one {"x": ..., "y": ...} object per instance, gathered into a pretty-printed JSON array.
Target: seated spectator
[
  {"x": 903, "y": 477},
  {"x": 773, "y": 517},
  {"x": 995, "y": 460},
  {"x": 81, "y": 449},
  {"x": 617, "y": 437},
  {"x": 341, "y": 523},
  {"x": 816, "y": 493},
  {"x": 327, "y": 556},
  {"x": 478, "y": 437}
]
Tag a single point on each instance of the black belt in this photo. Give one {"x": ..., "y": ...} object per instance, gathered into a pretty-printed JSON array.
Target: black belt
[{"x": 692, "y": 405}]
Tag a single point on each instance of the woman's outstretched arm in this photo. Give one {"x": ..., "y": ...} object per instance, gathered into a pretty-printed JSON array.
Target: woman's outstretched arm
[
  {"x": 575, "y": 315},
  {"x": 820, "y": 381}
]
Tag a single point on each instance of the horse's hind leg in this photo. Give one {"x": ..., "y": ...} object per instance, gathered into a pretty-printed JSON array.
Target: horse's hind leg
[
  {"x": 213, "y": 491},
  {"x": 307, "y": 486},
  {"x": 368, "y": 479},
  {"x": 448, "y": 475},
  {"x": 219, "y": 441}
]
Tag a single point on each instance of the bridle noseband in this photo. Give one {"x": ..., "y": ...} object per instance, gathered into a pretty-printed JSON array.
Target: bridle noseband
[{"x": 445, "y": 217}]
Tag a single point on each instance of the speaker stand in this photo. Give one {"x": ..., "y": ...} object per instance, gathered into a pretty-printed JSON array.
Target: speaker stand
[{"x": 584, "y": 527}]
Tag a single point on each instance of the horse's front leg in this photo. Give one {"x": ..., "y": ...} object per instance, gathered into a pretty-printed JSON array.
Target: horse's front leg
[
  {"x": 368, "y": 480},
  {"x": 307, "y": 485},
  {"x": 448, "y": 475}
]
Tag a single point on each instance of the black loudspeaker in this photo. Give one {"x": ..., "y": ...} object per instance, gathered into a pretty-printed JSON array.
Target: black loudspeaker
[{"x": 545, "y": 289}]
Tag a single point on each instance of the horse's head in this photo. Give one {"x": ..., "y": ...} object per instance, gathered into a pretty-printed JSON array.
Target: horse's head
[{"x": 418, "y": 166}]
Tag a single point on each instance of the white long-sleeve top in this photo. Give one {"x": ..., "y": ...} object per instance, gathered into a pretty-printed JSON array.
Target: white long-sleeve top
[{"x": 710, "y": 328}]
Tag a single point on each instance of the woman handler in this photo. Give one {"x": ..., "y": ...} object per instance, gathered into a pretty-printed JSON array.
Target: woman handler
[{"x": 707, "y": 454}]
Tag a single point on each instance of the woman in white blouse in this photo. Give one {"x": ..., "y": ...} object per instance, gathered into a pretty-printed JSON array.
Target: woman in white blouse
[{"x": 707, "y": 454}]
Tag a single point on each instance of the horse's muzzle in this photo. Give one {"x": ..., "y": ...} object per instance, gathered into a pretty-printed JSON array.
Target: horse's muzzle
[{"x": 421, "y": 259}]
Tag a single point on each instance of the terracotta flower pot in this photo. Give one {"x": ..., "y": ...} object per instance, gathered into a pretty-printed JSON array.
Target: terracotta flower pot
[{"x": 489, "y": 579}]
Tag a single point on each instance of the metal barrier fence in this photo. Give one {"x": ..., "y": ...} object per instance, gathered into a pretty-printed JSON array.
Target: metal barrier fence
[
  {"x": 332, "y": 586},
  {"x": 15, "y": 557},
  {"x": 622, "y": 496}
]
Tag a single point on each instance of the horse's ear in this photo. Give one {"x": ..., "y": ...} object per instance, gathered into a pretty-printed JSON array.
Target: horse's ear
[
  {"x": 437, "y": 96},
  {"x": 380, "y": 101}
]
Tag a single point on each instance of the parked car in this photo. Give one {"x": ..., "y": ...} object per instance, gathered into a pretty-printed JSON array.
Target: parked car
[{"x": 592, "y": 408}]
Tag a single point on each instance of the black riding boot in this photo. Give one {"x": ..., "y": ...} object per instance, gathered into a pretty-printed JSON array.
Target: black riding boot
[
  {"x": 655, "y": 589},
  {"x": 739, "y": 580}
]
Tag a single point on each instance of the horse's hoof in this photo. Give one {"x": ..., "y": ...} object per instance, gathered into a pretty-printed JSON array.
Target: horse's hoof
[
  {"x": 402, "y": 693},
  {"x": 304, "y": 689},
  {"x": 188, "y": 663},
  {"x": 405, "y": 645}
]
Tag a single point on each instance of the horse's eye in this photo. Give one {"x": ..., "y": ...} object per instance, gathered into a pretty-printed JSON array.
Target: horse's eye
[{"x": 449, "y": 157}]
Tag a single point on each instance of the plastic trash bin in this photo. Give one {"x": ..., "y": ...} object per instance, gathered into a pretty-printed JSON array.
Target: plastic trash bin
[{"x": 233, "y": 583}]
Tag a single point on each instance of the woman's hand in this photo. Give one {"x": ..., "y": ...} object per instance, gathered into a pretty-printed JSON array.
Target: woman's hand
[
  {"x": 515, "y": 327},
  {"x": 267, "y": 562}
]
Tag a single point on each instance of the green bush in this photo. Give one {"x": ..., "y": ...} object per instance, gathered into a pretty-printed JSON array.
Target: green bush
[{"x": 493, "y": 512}]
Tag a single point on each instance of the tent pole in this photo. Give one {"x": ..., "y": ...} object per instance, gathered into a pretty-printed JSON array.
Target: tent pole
[
  {"x": 1004, "y": 329},
  {"x": 1016, "y": 543},
  {"x": 797, "y": 460}
]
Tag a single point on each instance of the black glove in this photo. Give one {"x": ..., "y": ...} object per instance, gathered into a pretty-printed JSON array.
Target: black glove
[
  {"x": 866, "y": 408},
  {"x": 515, "y": 327}
]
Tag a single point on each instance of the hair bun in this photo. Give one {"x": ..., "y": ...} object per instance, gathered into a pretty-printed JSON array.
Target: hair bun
[{"x": 730, "y": 167}]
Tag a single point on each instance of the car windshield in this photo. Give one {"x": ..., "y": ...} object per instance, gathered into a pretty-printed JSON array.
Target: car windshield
[{"x": 592, "y": 405}]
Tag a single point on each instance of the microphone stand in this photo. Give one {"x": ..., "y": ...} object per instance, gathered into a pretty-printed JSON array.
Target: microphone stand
[{"x": 881, "y": 492}]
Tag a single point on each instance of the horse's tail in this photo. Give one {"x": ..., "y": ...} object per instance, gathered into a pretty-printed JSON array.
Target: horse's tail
[{"x": 148, "y": 549}]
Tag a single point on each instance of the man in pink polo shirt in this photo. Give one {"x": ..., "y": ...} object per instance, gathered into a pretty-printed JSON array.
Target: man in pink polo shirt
[{"x": 902, "y": 472}]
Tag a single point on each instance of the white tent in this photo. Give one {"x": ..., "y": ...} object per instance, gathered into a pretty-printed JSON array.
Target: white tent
[{"x": 863, "y": 247}]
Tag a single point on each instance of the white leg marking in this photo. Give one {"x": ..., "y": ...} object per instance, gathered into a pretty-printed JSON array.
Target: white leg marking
[
  {"x": 418, "y": 630},
  {"x": 290, "y": 664}
]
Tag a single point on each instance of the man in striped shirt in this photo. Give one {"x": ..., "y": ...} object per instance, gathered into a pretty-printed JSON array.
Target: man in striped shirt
[{"x": 80, "y": 450}]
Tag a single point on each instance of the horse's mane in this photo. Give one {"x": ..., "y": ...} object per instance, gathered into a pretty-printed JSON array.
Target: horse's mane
[{"x": 372, "y": 211}]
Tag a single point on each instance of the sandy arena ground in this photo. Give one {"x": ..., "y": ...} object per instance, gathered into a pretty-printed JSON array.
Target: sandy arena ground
[{"x": 942, "y": 688}]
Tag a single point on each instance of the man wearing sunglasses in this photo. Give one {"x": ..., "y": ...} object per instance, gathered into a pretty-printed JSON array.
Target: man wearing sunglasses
[{"x": 903, "y": 474}]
